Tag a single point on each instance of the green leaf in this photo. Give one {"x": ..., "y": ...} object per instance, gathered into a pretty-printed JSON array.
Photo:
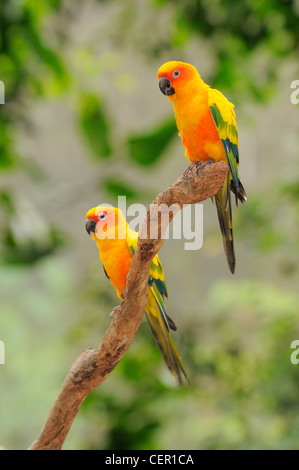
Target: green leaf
[
  {"x": 30, "y": 250},
  {"x": 146, "y": 149},
  {"x": 48, "y": 56},
  {"x": 291, "y": 189},
  {"x": 116, "y": 187},
  {"x": 7, "y": 155},
  {"x": 95, "y": 126},
  {"x": 6, "y": 202}
]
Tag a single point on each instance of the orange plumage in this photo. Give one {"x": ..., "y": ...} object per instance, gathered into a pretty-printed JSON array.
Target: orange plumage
[
  {"x": 117, "y": 243},
  {"x": 113, "y": 249},
  {"x": 193, "y": 116},
  {"x": 207, "y": 125}
]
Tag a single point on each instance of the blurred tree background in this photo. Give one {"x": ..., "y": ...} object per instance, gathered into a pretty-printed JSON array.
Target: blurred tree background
[{"x": 84, "y": 122}]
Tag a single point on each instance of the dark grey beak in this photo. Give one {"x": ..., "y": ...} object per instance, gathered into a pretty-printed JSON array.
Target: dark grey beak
[
  {"x": 90, "y": 226},
  {"x": 165, "y": 87}
]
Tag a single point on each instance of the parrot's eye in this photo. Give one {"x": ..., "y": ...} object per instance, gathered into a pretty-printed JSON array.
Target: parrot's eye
[
  {"x": 102, "y": 216},
  {"x": 176, "y": 74}
]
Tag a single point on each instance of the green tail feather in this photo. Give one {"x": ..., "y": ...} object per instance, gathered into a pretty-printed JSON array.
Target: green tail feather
[
  {"x": 166, "y": 345},
  {"x": 224, "y": 211}
]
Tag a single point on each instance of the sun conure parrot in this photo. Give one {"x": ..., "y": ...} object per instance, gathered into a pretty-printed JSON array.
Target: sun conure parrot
[
  {"x": 117, "y": 243},
  {"x": 207, "y": 125}
]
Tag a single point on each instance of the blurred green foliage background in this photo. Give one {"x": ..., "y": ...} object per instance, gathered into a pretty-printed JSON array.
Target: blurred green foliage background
[{"x": 84, "y": 122}]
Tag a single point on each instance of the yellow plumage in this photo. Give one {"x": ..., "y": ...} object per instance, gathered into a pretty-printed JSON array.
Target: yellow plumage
[{"x": 117, "y": 243}]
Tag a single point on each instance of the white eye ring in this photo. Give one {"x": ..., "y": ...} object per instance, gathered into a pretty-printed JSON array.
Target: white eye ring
[
  {"x": 176, "y": 74},
  {"x": 102, "y": 216}
]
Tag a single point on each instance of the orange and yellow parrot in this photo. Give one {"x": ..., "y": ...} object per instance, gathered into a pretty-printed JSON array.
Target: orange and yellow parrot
[
  {"x": 117, "y": 243},
  {"x": 207, "y": 126}
]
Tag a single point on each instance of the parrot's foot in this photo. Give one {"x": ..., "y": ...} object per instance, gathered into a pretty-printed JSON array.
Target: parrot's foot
[
  {"x": 111, "y": 315},
  {"x": 198, "y": 165},
  {"x": 123, "y": 294},
  {"x": 187, "y": 173}
]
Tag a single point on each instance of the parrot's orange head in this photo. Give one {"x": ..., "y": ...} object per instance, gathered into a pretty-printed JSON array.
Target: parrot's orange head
[
  {"x": 105, "y": 222},
  {"x": 176, "y": 77}
]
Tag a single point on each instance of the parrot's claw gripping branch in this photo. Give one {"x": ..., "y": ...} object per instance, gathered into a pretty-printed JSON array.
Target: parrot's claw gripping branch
[
  {"x": 93, "y": 366},
  {"x": 196, "y": 165},
  {"x": 116, "y": 309}
]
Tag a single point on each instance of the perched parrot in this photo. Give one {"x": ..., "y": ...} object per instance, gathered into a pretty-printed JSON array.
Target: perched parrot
[
  {"x": 117, "y": 243},
  {"x": 207, "y": 125}
]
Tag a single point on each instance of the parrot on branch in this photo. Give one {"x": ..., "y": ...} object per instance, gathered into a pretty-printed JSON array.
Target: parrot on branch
[
  {"x": 207, "y": 125},
  {"x": 117, "y": 243}
]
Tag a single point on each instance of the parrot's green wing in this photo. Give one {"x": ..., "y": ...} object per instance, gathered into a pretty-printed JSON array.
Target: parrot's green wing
[
  {"x": 225, "y": 120},
  {"x": 156, "y": 282},
  {"x": 156, "y": 315}
]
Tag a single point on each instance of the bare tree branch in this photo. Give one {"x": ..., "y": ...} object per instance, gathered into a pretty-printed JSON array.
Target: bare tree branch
[{"x": 93, "y": 366}]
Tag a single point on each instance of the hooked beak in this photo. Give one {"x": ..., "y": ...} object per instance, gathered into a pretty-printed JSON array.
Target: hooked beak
[
  {"x": 90, "y": 226},
  {"x": 165, "y": 86}
]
